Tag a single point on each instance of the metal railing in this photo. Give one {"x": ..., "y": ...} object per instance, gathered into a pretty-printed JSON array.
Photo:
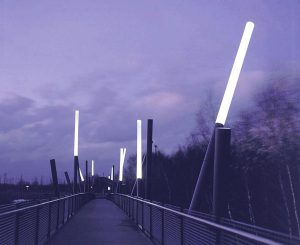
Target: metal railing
[
  {"x": 167, "y": 224},
  {"x": 35, "y": 224}
]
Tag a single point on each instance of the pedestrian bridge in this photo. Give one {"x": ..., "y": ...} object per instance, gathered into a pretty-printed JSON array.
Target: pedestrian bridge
[{"x": 124, "y": 219}]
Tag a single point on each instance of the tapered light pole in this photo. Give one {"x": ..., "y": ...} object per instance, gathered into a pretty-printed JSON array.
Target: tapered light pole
[
  {"x": 76, "y": 162},
  {"x": 86, "y": 177},
  {"x": 138, "y": 156},
  {"x": 207, "y": 165}
]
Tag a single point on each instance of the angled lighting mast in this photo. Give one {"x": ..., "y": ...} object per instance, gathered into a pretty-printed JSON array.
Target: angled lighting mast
[
  {"x": 222, "y": 114},
  {"x": 235, "y": 73},
  {"x": 81, "y": 175},
  {"x": 122, "y": 159}
]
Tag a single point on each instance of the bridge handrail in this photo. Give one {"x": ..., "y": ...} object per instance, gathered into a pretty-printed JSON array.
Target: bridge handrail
[
  {"x": 38, "y": 205},
  {"x": 214, "y": 225},
  {"x": 35, "y": 224}
]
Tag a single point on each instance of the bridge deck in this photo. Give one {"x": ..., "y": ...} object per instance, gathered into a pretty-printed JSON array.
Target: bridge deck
[{"x": 100, "y": 222}]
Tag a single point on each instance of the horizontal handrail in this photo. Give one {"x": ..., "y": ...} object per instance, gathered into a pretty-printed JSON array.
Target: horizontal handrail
[
  {"x": 38, "y": 205},
  {"x": 207, "y": 222}
]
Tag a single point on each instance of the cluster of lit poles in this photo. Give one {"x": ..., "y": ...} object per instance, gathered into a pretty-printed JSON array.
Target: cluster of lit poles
[{"x": 220, "y": 121}]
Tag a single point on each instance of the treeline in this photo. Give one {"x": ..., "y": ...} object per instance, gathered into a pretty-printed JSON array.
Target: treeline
[{"x": 264, "y": 182}]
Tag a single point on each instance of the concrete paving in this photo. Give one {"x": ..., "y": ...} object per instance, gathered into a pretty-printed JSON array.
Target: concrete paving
[{"x": 100, "y": 222}]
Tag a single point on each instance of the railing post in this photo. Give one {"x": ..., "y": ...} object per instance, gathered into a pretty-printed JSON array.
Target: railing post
[
  {"x": 181, "y": 227},
  {"x": 57, "y": 221},
  {"x": 17, "y": 229},
  {"x": 221, "y": 162},
  {"x": 143, "y": 216},
  {"x": 37, "y": 227},
  {"x": 49, "y": 222},
  {"x": 162, "y": 225},
  {"x": 150, "y": 221},
  {"x": 137, "y": 212},
  {"x": 64, "y": 211}
]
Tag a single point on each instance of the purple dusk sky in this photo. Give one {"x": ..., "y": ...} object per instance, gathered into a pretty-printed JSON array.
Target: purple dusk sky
[{"x": 118, "y": 61}]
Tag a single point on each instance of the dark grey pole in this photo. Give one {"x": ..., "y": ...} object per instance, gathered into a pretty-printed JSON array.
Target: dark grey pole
[
  {"x": 86, "y": 177},
  {"x": 79, "y": 179},
  {"x": 206, "y": 167},
  {"x": 113, "y": 179},
  {"x": 149, "y": 158},
  {"x": 68, "y": 181},
  {"x": 221, "y": 164},
  {"x": 75, "y": 187},
  {"x": 54, "y": 177}
]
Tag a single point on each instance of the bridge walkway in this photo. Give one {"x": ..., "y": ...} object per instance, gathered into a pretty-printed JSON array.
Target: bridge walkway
[{"x": 100, "y": 222}]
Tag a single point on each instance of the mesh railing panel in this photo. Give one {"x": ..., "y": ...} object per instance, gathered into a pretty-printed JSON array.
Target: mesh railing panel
[
  {"x": 30, "y": 224},
  {"x": 168, "y": 225}
]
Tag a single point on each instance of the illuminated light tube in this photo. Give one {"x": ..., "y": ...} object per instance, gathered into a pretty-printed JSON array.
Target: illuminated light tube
[
  {"x": 93, "y": 168},
  {"x": 76, "y": 133},
  {"x": 139, "y": 149},
  {"x": 112, "y": 173},
  {"x": 235, "y": 72},
  {"x": 108, "y": 188},
  {"x": 108, "y": 176},
  {"x": 81, "y": 175},
  {"x": 122, "y": 159}
]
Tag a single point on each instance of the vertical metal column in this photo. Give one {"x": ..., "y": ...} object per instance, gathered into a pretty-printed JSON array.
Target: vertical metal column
[
  {"x": 221, "y": 163},
  {"x": 75, "y": 187},
  {"x": 149, "y": 159},
  {"x": 113, "y": 179},
  {"x": 54, "y": 177},
  {"x": 86, "y": 177}
]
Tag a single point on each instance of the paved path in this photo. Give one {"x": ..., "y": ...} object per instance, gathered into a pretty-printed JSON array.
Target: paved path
[{"x": 100, "y": 222}]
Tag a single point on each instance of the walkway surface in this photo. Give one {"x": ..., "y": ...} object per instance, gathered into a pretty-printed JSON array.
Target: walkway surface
[{"x": 100, "y": 222}]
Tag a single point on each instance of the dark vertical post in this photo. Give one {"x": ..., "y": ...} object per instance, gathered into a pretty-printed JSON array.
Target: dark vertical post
[
  {"x": 54, "y": 177},
  {"x": 149, "y": 158},
  {"x": 68, "y": 181},
  {"x": 86, "y": 177},
  {"x": 206, "y": 167},
  {"x": 75, "y": 188},
  {"x": 37, "y": 227},
  {"x": 221, "y": 163},
  {"x": 113, "y": 179}
]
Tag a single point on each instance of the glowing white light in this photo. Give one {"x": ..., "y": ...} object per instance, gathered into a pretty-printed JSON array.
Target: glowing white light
[
  {"x": 235, "y": 72},
  {"x": 122, "y": 159},
  {"x": 92, "y": 167},
  {"x": 139, "y": 149},
  {"x": 108, "y": 176},
  {"x": 112, "y": 173},
  {"x": 108, "y": 188},
  {"x": 76, "y": 133},
  {"x": 81, "y": 175}
]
